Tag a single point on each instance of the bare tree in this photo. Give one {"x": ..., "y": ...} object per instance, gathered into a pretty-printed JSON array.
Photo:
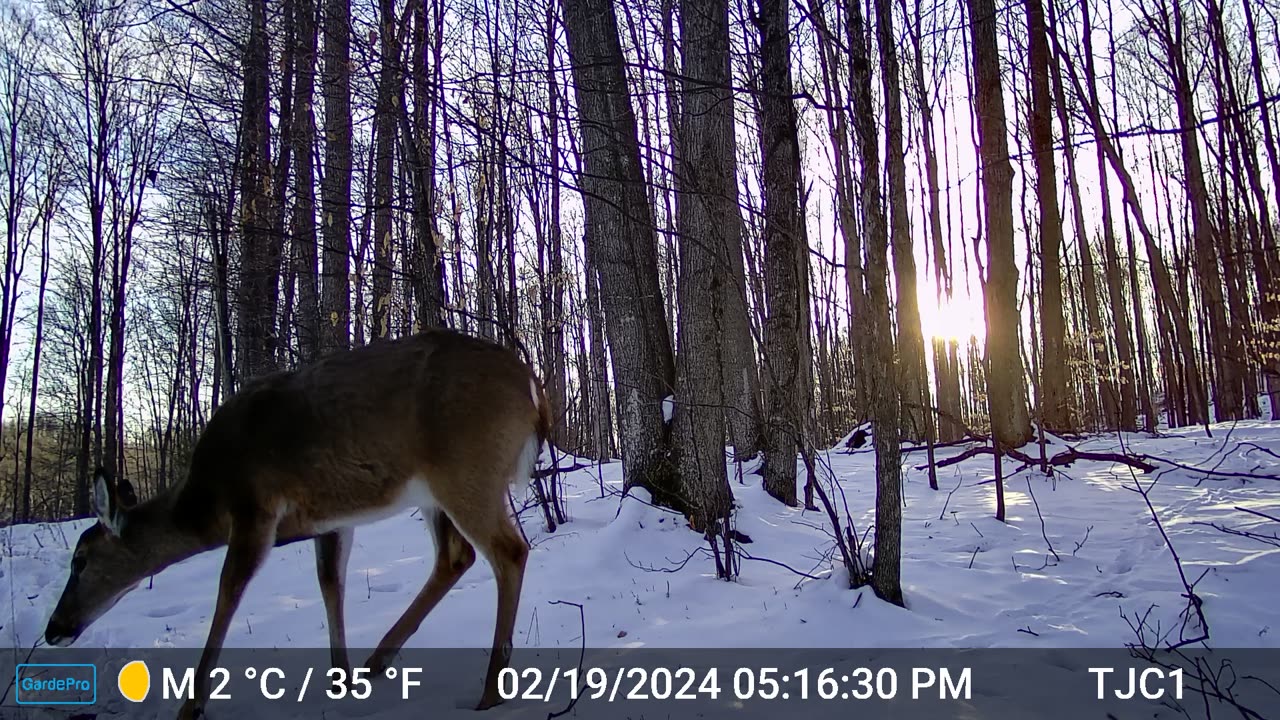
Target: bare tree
[
  {"x": 786, "y": 333},
  {"x": 335, "y": 186},
  {"x": 621, "y": 243},
  {"x": 1006, "y": 396}
]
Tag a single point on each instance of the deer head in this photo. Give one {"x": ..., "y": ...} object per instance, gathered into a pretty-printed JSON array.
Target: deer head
[{"x": 104, "y": 567}]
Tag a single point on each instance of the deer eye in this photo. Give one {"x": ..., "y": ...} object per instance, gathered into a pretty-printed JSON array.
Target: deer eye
[{"x": 77, "y": 563}]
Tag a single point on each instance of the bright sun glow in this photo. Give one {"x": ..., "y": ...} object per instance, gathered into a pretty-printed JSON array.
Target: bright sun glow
[{"x": 954, "y": 319}]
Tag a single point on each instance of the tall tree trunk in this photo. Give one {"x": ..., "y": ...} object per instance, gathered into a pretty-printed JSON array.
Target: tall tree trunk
[
  {"x": 884, "y": 378},
  {"x": 37, "y": 351},
  {"x": 1099, "y": 383},
  {"x": 600, "y": 408},
  {"x": 622, "y": 244},
  {"x": 786, "y": 257},
  {"x": 706, "y": 217},
  {"x": 426, "y": 269},
  {"x": 385, "y": 117},
  {"x": 305, "y": 256},
  {"x": 335, "y": 191},
  {"x": 911, "y": 368},
  {"x": 1118, "y": 409},
  {"x": 941, "y": 268},
  {"x": 1054, "y": 395},
  {"x": 257, "y": 294},
  {"x": 1007, "y": 405},
  {"x": 850, "y": 240},
  {"x": 554, "y": 285}
]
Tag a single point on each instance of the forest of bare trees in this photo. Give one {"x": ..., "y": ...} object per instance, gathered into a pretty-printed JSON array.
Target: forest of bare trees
[{"x": 751, "y": 225}]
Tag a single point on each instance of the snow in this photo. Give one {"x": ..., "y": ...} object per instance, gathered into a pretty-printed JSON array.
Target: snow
[{"x": 969, "y": 580}]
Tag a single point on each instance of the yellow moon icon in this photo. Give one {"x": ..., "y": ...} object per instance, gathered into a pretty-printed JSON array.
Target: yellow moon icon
[{"x": 134, "y": 681}]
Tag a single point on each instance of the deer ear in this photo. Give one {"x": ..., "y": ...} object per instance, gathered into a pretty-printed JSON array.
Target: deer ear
[{"x": 104, "y": 502}]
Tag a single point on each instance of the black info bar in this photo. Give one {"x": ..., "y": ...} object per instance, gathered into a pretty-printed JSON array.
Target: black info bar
[{"x": 87, "y": 684}]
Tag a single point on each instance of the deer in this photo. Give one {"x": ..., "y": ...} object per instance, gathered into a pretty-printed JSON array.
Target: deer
[{"x": 439, "y": 421}]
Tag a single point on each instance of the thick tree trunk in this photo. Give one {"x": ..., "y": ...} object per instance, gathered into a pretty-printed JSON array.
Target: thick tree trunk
[
  {"x": 426, "y": 269},
  {"x": 706, "y": 217},
  {"x": 1006, "y": 401},
  {"x": 622, "y": 244},
  {"x": 785, "y": 257}
]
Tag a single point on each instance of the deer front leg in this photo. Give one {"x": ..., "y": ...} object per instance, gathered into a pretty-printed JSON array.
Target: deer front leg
[
  {"x": 246, "y": 549},
  {"x": 332, "y": 551}
]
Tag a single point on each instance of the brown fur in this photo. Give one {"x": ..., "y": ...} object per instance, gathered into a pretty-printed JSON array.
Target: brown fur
[{"x": 294, "y": 452}]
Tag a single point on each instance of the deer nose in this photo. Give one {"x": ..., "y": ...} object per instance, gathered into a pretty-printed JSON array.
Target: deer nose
[{"x": 59, "y": 633}]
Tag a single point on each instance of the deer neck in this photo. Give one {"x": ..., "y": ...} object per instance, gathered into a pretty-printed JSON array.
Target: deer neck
[{"x": 162, "y": 539}]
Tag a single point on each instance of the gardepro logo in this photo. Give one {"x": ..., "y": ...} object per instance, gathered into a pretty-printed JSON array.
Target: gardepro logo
[{"x": 56, "y": 684}]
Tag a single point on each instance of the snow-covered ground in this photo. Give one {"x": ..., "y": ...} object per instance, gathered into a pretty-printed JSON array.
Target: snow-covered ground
[{"x": 969, "y": 580}]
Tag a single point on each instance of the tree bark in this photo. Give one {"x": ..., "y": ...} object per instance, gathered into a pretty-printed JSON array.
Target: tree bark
[
  {"x": 621, "y": 243},
  {"x": 884, "y": 378},
  {"x": 786, "y": 257},
  {"x": 707, "y": 227},
  {"x": 910, "y": 367},
  {"x": 1055, "y": 409},
  {"x": 1006, "y": 399},
  {"x": 335, "y": 190},
  {"x": 258, "y": 286},
  {"x": 385, "y": 133},
  {"x": 305, "y": 257}
]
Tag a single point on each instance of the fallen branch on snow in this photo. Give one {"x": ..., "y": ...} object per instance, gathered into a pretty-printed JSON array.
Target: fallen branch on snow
[{"x": 1063, "y": 459}]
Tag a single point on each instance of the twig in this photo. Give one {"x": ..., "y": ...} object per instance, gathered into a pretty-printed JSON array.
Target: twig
[
  {"x": 9, "y": 687},
  {"x": 948, "y": 500},
  {"x": 1081, "y": 543},
  {"x": 748, "y": 556},
  {"x": 1272, "y": 518},
  {"x": 582, "y": 653},
  {"x": 1043, "y": 531},
  {"x": 1211, "y": 472},
  {"x": 1193, "y": 600},
  {"x": 1268, "y": 539}
]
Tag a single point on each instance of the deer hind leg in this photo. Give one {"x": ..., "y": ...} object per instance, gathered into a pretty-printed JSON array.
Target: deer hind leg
[
  {"x": 454, "y": 556},
  {"x": 332, "y": 551},
  {"x": 506, "y": 550},
  {"x": 247, "y": 547}
]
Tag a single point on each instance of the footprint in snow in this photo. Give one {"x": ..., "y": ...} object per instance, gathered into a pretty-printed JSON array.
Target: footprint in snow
[{"x": 166, "y": 611}]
